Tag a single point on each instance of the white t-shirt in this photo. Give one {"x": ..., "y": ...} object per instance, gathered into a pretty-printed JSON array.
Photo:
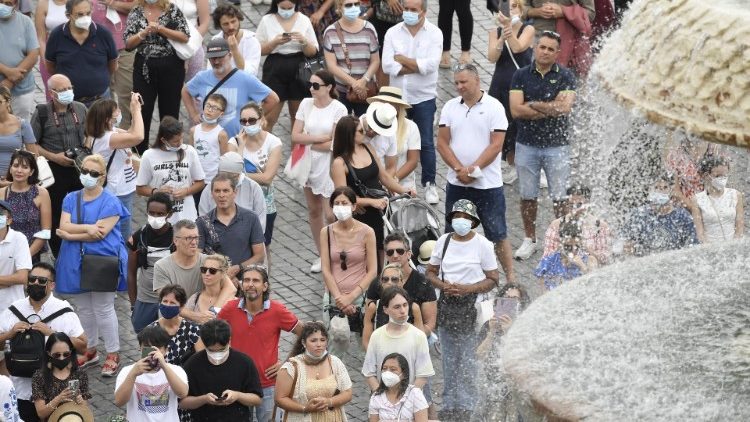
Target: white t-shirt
[
  {"x": 159, "y": 168},
  {"x": 413, "y": 142},
  {"x": 269, "y": 27},
  {"x": 152, "y": 399},
  {"x": 67, "y": 323},
  {"x": 259, "y": 159},
  {"x": 320, "y": 121},
  {"x": 8, "y": 400},
  {"x": 471, "y": 129},
  {"x": 412, "y": 343},
  {"x": 384, "y": 146},
  {"x": 208, "y": 149},
  {"x": 249, "y": 48},
  {"x": 121, "y": 175},
  {"x": 14, "y": 256},
  {"x": 465, "y": 262},
  {"x": 410, "y": 403}
]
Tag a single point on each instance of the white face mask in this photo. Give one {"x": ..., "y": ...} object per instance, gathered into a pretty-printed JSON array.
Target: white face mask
[
  {"x": 217, "y": 358},
  {"x": 314, "y": 358},
  {"x": 719, "y": 182},
  {"x": 462, "y": 226},
  {"x": 658, "y": 198},
  {"x": 83, "y": 22},
  {"x": 390, "y": 379},
  {"x": 397, "y": 322},
  {"x": 156, "y": 222},
  {"x": 342, "y": 212}
]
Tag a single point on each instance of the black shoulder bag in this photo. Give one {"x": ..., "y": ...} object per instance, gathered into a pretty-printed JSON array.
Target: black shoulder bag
[
  {"x": 356, "y": 321},
  {"x": 99, "y": 273},
  {"x": 456, "y": 313},
  {"x": 362, "y": 189},
  {"x": 217, "y": 86}
]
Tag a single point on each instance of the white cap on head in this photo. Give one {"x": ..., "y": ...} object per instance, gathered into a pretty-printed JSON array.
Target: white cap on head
[{"x": 231, "y": 162}]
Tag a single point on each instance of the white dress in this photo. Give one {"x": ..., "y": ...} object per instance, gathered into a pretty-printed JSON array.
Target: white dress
[{"x": 718, "y": 214}]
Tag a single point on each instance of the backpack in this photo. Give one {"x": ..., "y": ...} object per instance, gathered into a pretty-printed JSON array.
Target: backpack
[{"x": 27, "y": 348}]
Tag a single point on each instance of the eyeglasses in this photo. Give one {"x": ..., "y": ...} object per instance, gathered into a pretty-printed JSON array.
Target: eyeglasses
[
  {"x": 210, "y": 270},
  {"x": 399, "y": 251},
  {"x": 60, "y": 355},
  {"x": 189, "y": 239},
  {"x": 93, "y": 173},
  {"x": 211, "y": 107},
  {"x": 249, "y": 121},
  {"x": 342, "y": 257},
  {"x": 394, "y": 279},
  {"x": 459, "y": 67},
  {"x": 36, "y": 279},
  {"x": 551, "y": 34},
  {"x": 315, "y": 85},
  {"x": 348, "y": 5}
]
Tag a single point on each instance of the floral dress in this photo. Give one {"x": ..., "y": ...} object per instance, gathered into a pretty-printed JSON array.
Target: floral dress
[
  {"x": 155, "y": 45},
  {"x": 182, "y": 345}
]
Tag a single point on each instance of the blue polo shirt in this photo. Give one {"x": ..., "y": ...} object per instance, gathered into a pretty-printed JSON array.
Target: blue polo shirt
[
  {"x": 84, "y": 64},
  {"x": 236, "y": 239},
  {"x": 551, "y": 131}
]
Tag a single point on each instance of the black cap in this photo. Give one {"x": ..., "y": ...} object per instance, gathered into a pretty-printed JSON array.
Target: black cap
[{"x": 217, "y": 47}]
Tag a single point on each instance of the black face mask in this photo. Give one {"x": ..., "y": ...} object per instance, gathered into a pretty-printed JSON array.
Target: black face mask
[
  {"x": 36, "y": 292},
  {"x": 60, "y": 363}
]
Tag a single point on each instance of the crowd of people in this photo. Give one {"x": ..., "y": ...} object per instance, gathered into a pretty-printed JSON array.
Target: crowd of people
[{"x": 360, "y": 82}]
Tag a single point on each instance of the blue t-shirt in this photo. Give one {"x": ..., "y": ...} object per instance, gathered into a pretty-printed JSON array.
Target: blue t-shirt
[
  {"x": 554, "y": 273},
  {"x": 550, "y": 131},
  {"x": 13, "y": 142},
  {"x": 18, "y": 38},
  {"x": 652, "y": 232},
  {"x": 239, "y": 90},
  {"x": 86, "y": 65}
]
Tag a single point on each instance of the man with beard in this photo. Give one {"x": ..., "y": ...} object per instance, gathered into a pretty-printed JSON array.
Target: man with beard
[
  {"x": 38, "y": 306},
  {"x": 257, "y": 322}
]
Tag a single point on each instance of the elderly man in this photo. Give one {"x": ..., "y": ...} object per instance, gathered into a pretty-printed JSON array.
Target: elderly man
[
  {"x": 58, "y": 126},
  {"x": 183, "y": 266},
  {"x": 239, "y": 88},
  {"x": 411, "y": 54},
  {"x": 19, "y": 53}
]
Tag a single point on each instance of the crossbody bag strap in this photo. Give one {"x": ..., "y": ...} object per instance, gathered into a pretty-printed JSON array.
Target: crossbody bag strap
[
  {"x": 18, "y": 314},
  {"x": 217, "y": 86},
  {"x": 79, "y": 206},
  {"x": 442, "y": 257},
  {"x": 54, "y": 315},
  {"x": 406, "y": 396},
  {"x": 343, "y": 46}
]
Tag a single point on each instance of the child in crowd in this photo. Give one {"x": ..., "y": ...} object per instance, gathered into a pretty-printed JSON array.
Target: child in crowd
[{"x": 209, "y": 138}]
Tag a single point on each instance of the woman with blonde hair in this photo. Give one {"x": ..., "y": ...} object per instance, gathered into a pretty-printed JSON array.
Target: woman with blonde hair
[
  {"x": 89, "y": 225},
  {"x": 218, "y": 289}
]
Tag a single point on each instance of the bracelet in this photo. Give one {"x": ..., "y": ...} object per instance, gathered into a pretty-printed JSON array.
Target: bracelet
[{"x": 330, "y": 404}]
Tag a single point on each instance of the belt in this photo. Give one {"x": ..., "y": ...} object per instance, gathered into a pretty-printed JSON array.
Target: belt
[{"x": 88, "y": 99}]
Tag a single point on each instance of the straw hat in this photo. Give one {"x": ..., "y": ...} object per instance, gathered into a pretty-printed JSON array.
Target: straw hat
[
  {"x": 382, "y": 118},
  {"x": 389, "y": 94},
  {"x": 425, "y": 251},
  {"x": 71, "y": 412}
]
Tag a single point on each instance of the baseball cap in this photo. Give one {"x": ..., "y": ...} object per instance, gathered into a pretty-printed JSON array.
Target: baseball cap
[
  {"x": 217, "y": 47},
  {"x": 231, "y": 162}
]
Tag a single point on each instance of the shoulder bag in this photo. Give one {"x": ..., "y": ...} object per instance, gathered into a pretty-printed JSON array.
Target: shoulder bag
[
  {"x": 456, "y": 313},
  {"x": 360, "y": 187},
  {"x": 99, "y": 273},
  {"x": 276, "y": 408},
  {"x": 372, "y": 84},
  {"x": 186, "y": 50}
]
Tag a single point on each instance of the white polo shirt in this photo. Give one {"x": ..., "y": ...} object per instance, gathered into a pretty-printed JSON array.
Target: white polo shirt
[
  {"x": 14, "y": 256},
  {"x": 67, "y": 323},
  {"x": 471, "y": 128}
]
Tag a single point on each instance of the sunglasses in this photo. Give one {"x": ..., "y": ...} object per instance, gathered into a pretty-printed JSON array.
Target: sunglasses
[
  {"x": 210, "y": 270},
  {"x": 394, "y": 279},
  {"x": 342, "y": 257},
  {"x": 458, "y": 67},
  {"x": 551, "y": 34},
  {"x": 250, "y": 121},
  {"x": 35, "y": 279},
  {"x": 93, "y": 173},
  {"x": 399, "y": 251},
  {"x": 315, "y": 85},
  {"x": 60, "y": 355}
]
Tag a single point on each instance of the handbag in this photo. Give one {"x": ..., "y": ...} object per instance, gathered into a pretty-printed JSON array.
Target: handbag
[
  {"x": 309, "y": 66},
  {"x": 300, "y": 159},
  {"x": 455, "y": 313},
  {"x": 98, "y": 273},
  {"x": 291, "y": 394},
  {"x": 46, "y": 178},
  {"x": 186, "y": 50},
  {"x": 372, "y": 84},
  {"x": 365, "y": 191}
]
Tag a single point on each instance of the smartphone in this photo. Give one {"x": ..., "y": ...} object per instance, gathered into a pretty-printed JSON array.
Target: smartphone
[
  {"x": 73, "y": 386},
  {"x": 504, "y": 7},
  {"x": 145, "y": 354},
  {"x": 221, "y": 398},
  {"x": 287, "y": 35},
  {"x": 140, "y": 99},
  {"x": 506, "y": 306}
]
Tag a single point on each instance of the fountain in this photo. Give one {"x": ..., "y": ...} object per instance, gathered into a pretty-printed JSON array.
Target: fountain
[{"x": 666, "y": 337}]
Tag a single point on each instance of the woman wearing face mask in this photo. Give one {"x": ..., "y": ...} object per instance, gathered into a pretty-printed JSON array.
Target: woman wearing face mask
[
  {"x": 286, "y": 37},
  {"x": 375, "y": 316},
  {"x": 261, "y": 153},
  {"x": 313, "y": 385},
  {"x": 718, "y": 211},
  {"x": 15, "y": 133},
  {"x": 184, "y": 335},
  {"x": 147, "y": 245},
  {"x": 569, "y": 262},
  {"x": 50, "y": 384},
  {"x": 360, "y": 40},
  {"x": 96, "y": 231},
  {"x": 348, "y": 256},
  {"x": 395, "y": 398},
  {"x": 30, "y": 204},
  {"x": 218, "y": 289},
  {"x": 104, "y": 137},
  {"x": 313, "y": 130},
  {"x": 172, "y": 167}
]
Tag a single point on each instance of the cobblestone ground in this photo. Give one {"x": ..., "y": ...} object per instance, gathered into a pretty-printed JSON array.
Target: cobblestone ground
[{"x": 293, "y": 250}]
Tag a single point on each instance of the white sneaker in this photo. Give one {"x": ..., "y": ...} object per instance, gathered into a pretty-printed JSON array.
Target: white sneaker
[
  {"x": 543, "y": 180},
  {"x": 509, "y": 174},
  {"x": 431, "y": 194},
  {"x": 315, "y": 267},
  {"x": 256, "y": 2},
  {"x": 266, "y": 1},
  {"x": 528, "y": 247}
]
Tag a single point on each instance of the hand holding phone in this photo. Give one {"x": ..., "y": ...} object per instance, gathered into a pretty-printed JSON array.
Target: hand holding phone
[
  {"x": 506, "y": 306},
  {"x": 73, "y": 386}
]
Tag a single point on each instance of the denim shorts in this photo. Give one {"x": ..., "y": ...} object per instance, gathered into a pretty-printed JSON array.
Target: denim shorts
[
  {"x": 556, "y": 164},
  {"x": 490, "y": 207}
]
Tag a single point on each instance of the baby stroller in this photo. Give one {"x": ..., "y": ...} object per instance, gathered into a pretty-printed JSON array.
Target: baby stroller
[{"x": 415, "y": 218}]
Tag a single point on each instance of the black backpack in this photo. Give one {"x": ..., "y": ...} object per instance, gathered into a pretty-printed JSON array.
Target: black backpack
[{"x": 27, "y": 348}]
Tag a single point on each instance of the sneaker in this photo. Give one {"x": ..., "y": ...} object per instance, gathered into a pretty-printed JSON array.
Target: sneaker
[
  {"x": 528, "y": 247},
  {"x": 509, "y": 175},
  {"x": 315, "y": 267},
  {"x": 256, "y": 2},
  {"x": 88, "y": 359},
  {"x": 111, "y": 365},
  {"x": 543, "y": 180},
  {"x": 266, "y": 1},
  {"x": 431, "y": 194}
]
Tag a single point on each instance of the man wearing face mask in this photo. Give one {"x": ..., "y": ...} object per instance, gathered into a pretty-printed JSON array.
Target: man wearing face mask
[
  {"x": 398, "y": 336},
  {"x": 82, "y": 51},
  {"x": 255, "y": 316},
  {"x": 223, "y": 382},
  {"x": 411, "y": 55},
  {"x": 248, "y": 193},
  {"x": 39, "y": 305},
  {"x": 239, "y": 88},
  {"x": 659, "y": 225},
  {"x": 19, "y": 53}
]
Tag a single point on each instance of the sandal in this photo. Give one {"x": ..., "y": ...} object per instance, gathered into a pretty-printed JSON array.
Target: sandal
[
  {"x": 90, "y": 358},
  {"x": 445, "y": 60},
  {"x": 465, "y": 58},
  {"x": 111, "y": 365}
]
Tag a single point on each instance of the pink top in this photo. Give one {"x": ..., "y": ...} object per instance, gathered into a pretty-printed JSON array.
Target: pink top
[
  {"x": 99, "y": 15},
  {"x": 355, "y": 261}
]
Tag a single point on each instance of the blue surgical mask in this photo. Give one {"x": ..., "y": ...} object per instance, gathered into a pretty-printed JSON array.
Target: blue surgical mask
[
  {"x": 462, "y": 226},
  {"x": 410, "y": 18},
  {"x": 88, "y": 181},
  {"x": 286, "y": 13},
  {"x": 5, "y": 10},
  {"x": 352, "y": 13},
  {"x": 151, "y": 1},
  {"x": 252, "y": 130},
  {"x": 209, "y": 121},
  {"x": 169, "y": 311},
  {"x": 65, "y": 97},
  {"x": 658, "y": 198},
  {"x": 3, "y": 221}
]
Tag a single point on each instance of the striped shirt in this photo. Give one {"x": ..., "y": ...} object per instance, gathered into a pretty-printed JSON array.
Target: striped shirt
[{"x": 360, "y": 46}]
